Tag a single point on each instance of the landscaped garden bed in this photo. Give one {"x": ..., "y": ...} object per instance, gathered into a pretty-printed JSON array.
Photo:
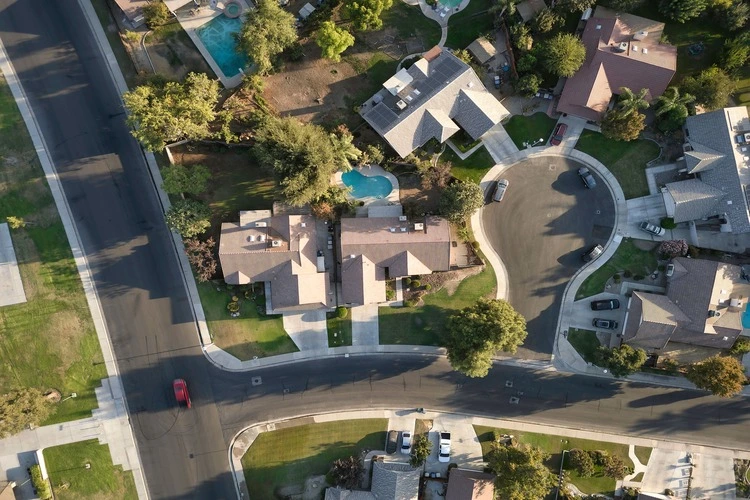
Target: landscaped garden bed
[{"x": 339, "y": 325}]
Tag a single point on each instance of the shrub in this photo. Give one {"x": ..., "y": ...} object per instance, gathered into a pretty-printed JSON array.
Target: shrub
[
  {"x": 582, "y": 462},
  {"x": 673, "y": 248},
  {"x": 616, "y": 278},
  {"x": 741, "y": 346},
  {"x": 615, "y": 467},
  {"x": 475, "y": 245},
  {"x": 342, "y": 312},
  {"x": 668, "y": 223},
  {"x": 390, "y": 295},
  {"x": 407, "y": 281},
  {"x": 233, "y": 306},
  {"x": 41, "y": 486},
  {"x": 410, "y": 303},
  {"x": 693, "y": 252},
  {"x": 671, "y": 366},
  {"x": 599, "y": 457},
  {"x": 156, "y": 13},
  {"x": 627, "y": 273},
  {"x": 416, "y": 284},
  {"x": 638, "y": 277},
  {"x": 428, "y": 287}
]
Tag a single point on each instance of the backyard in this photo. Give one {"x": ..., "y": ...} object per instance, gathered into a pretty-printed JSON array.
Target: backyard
[
  {"x": 285, "y": 457},
  {"x": 467, "y": 25},
  {"x": 425, "y": 324},
  {"x": 49, "y": 342},
  {"x": 626, "y": 160},
  {"x": 530, "y": 129},
  {"x": 628, "y": 261},
  {"x": 71, "y": 479},
  {"x": 554, "y": 445}
]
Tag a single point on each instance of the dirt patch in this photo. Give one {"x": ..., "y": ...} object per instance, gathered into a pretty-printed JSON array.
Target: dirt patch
[
  {"x": 437, "y": 281},
  {"x": 68, "y": 331},
  {"x": 312, "y": 489},
  {"x": 645, "y": 245},
  {"x": 414, "y": 198}
]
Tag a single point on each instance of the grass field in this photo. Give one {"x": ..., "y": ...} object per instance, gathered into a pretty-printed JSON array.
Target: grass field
[
  {"x": 585, "y": 342},
  {"x": 49, "y": 342},
  {"x": 425, "y": 324},
  {"x": 627, "y": 257},
  {"x": 643, "y": 453},
  {"x": 410, "y": 22},
  {"x": 467, "y": 25},
  {"x": 287, "y": 456},
  {"x": 251, "y": 334},
  {"x": 530, "y": 128},
  {"x": 554, "y": 445},
  {"x": 71, "y": 479},
  {"x": 472, "y": 168},
  {"x": 341, "y": 327},
  {"x": 626, "y": 160}
]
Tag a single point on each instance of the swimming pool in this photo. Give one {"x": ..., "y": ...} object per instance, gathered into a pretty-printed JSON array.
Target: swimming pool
[
  {"x": 450, "y": 3},
  {"x": 218, "y": 37},
  {"x": 746, "y": 317},
  {"x": 363, "y": 186}
]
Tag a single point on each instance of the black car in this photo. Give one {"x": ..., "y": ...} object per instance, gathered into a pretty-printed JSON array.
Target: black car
[
  {"x": 587, "y": 178},
  {"x": 605, "y": 305},
  {"x": 606, "y": 324}
]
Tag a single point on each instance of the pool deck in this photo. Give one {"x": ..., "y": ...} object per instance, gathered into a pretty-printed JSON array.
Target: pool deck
[
  {"x": 371, "y": 171},
  {"x": 194, "y": 18}
]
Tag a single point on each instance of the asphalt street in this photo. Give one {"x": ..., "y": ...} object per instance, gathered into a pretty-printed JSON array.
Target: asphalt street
[
  {"x": 546, "y": 220},
  {"x": 184, "y": 453}
]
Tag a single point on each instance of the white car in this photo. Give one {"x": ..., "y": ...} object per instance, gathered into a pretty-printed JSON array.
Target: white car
[
  {"x": 652, "y": 228},
  {"x": 406, "y": 442},
  {"x": 444, "y": 455}
]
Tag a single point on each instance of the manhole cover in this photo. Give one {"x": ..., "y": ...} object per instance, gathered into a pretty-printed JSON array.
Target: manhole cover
[
  {"x": 508, "y": 383},
  {"x": 256, "y": 381},
  {"x": 598, "y": 212},
  {"x": 552, "y": 167},
  {"x": 514, "y": 400}
]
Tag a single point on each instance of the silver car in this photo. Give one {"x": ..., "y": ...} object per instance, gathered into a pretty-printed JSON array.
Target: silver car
[
  {"x": 651, "y": 228},
  {"x": 502, "y": 186}
]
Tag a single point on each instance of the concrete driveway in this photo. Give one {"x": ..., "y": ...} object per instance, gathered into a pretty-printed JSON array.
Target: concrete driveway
[
  {"x": 465, "y": 448},
  {"x": 583, "y": 316},
  {"x": 307, "y": 329},
  {"x": 712, "y": 476},
  {"x": 541, "y": 228},
  {"x": 647, "y": 208}
]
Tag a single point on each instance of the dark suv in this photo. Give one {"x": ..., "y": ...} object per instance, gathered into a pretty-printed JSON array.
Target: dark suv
[
  {"x": 605, "y": 305},
  {"x": 606, "y": 324},
  {"x": 587, "y": 178}
]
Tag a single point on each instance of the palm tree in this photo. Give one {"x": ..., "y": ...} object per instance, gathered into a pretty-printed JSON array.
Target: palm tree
[
  {"x": 629, "y": 102},
  {"x": 671, "y": 100}
]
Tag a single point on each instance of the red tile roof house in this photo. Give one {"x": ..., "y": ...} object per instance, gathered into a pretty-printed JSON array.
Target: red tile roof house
[{"x": 622, "y": 50}]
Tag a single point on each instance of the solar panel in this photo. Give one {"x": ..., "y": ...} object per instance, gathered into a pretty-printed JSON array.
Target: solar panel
[{"x": 381, "y": 116}]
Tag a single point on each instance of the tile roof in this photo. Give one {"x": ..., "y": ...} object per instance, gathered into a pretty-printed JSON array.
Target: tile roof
[
  {"x": 693, "y": 199},
  {"x": 425, "y": 100},
  {"x": 466, "y": 484},
  {"x": 622, "y": 50}
]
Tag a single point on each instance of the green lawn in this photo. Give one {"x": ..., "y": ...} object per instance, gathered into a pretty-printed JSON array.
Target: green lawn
[
  {"x": 341, "y": 327},
  {"x": 626, "y": 160},
  {"x": 49, "y": 342},
  {"x": 379, "y": 68},
  {"x": 71, "y": 479},
  {"x": 530, "y": 128},
  {"x": 472, "y": 168},
  {"x": 643, "y": 453},
  {"x": 287, "y": 456},
  {"x": 585, "y": 342},
  {"x": 252, "y": 334},
  {"x": 554, "y": 445},
  {"x": 469, "y": 24},
  {"x": 627, "y": 257},
  {"x": 410, "y": 22},
  {"x": 743, "y": 87},
  {"x": 425, "y": 324}
]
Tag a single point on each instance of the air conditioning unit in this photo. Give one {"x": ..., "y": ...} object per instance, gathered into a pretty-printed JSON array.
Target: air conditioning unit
[
  {"x": 418, "y": 226},
  {"x": 400, "y": 104},
  {"x": 402, "y": 218},
  {"x": 303, "y": 224},
  {"x": 261, "y": 224},
  {"x": 276, "y": 243},
  {"x": 251, "y": 237}
]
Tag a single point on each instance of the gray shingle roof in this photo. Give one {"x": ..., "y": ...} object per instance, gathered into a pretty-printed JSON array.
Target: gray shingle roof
[
  {"x": 394, "y": 481},
  {"x": 693, "y": 199},
  {"x": 362, "y": 282}
]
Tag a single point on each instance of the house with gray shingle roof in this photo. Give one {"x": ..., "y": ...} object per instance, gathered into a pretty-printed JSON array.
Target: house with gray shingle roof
[
  {"x": 703, "y": 306},
  {"x": 432, "y": 99},
  {"x": 717, "y": 154},
  {"x": 390, "y": 481}
]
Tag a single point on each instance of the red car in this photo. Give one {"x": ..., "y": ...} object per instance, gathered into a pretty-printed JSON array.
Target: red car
[
  {"x": 181, "y": 393},
  {"x": 558, "y": 134}
]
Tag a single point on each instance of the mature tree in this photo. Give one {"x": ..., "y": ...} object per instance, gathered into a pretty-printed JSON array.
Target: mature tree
[
  {"x": 521, "y": 472},
  {"x": 723, "y": 376},
  {"x": 201, "y": 255},
  {"x": 615, "y": 467},
  {"x": 267, "y": 31},
  {"x": 621, "y": 361},
  {"x": 619, "y": 128},
  {"x": 22, "y": 408},
  {"x": 302, "y": 156},
  {"x": 366, "y": 14},
  {"x": 526, "y": 63},
  {"x": 576, "y": 5},
  {"x": 528, "y": 84},
  {"x": 711, "y": 88},
  {"x": 682, "y": 10},
  {"x": 180, "y": 179},
  {"x": 372, "y": 155},
  {"x": 437, "y": 175},
  {"x": 563, "y": 54},
  {"x": 476, "y": 332},
  {"x": 736, "y": 52},
  {"x": 673, "y": 248},
  {"x": 521, "y": 36},
  {"x": 629, "y": 102},
  {"x": 333, "y": 40},
  {"x": 161, "y": 112},
  {"x": 347, "y": 472},
  {"x": 625, "y": 5},
  {"x": 156, "y": 13},
  {"x": 460, "y": 200},
  {"x": 420, "y": 450},
  {"x": 582, "y": 462},
  {"x": 735, "y": 15},
  {"x": 671, "y": 109},
  {"x": 188, "y": 217},
  {"x": 546, "y": 20},
  {"x": 741, "y": 346}
]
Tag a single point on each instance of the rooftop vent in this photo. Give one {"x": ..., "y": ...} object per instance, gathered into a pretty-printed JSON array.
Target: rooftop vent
[
  {"x": 402, "y": 218},
  {"x": 392, "y": 229},
  {"x": 276, "y": 243},
  {"x": 351, "y": 256},
  {"x": 641, "y": 35},
  {"x": 622, "y": 47},
  {"x": 713, "y": 314},
  {"x": 261, "y": 237},
  {"x": 408, "y": 98},
  {"x": 251, "y": 237},
  {"x": 417, "y": 92},
  {"x": 418, "y": 226},
  {"x": 635, "y": 48},
  {"x": 729, "y": 202},
  {"x": 735, "y": 302},
  {"x": 303, "y": 224},
  {"x": 645, "y": 50},
  {"x": 403, "y": 229},
  {"x": 400, "y": 104},
  {"x": 261, "y": 224},
  {"x": 598, "y": 26},
  {"x": 470, "y": 84},
  {"x": 377, "y": 98},
  {"x": 725, "y": 338}
]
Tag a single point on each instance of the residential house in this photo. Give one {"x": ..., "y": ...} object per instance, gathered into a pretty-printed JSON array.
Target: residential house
[
  {"x": 717, "y": 155},
  {"x": 280, "y": 251},
  {"x": 390, "y": 481},
  {"x": 432, "y": 99},
  {"x": 464, "y": 484},
  {"x": 373, "y": 250},
  {"x": 622, "y": 50},
  {"x": 703, "y": 306}
]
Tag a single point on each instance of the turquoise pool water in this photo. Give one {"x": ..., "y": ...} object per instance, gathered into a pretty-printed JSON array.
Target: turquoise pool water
[
  {"x": 218, "y": 37},
  {"x": 362, "y": 186},
  {"x": 746, "y": 317},
  {"x": 450, "y": 3}
]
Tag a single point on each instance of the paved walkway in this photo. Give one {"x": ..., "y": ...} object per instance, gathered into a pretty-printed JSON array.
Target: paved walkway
[
  {"x": 11, "y": 286},
  {"x": 307, "y": 329},
  {"x": 572, "y": 134},
  {"x": 365, "y": 330},
  {"x": 638, "y": 467},
  {"x": 498, "y": 143}
]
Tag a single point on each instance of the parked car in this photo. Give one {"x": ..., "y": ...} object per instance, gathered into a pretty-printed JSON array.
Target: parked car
[
  {"x": 181, "y": 393},
  {"x": 558, "y": 134},
  {"x": 593, "y": 253},
  {"x": 444, "y": 455},
  {"x": 652, "y": 228},
  {"x": 606, "y": 324},
  {"x": 670, "y": 270},
  {"x": 391, "y": 442},
  {"x": 605, "y": 305},
  {"x": 502, "y": 186},
  {"x": 587, "y": 178},
  {"x": 498, "y": 81},
  {"x": 406, "y": 442}
]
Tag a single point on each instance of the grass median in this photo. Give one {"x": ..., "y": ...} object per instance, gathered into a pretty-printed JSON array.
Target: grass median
[{"x": 628, "y": 260}]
